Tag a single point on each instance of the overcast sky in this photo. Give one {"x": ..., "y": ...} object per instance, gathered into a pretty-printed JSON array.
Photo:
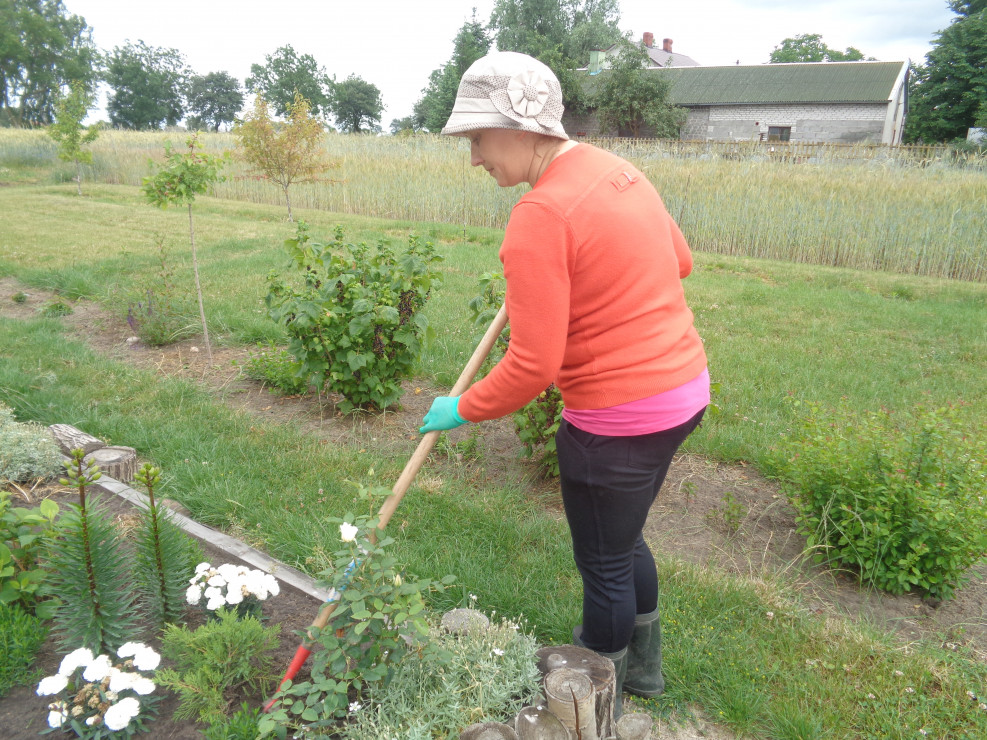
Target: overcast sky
[{"x": 395, "y": 44}]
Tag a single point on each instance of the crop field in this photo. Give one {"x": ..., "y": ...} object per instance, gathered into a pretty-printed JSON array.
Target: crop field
[{"x": 921, "y": 217}]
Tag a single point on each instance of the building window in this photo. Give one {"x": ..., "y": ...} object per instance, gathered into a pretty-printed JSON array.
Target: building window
[{"x": 779, "y": 133}]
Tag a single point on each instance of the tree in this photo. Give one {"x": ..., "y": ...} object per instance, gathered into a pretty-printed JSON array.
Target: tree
[
  {"x": 68, "y": 131},
  {"x": 434, "y": 107},
  {"x": 948, "y": 94},
  {"x": 560, "y": 33},
  {"x": 809, "y": 47},
  {"x": 285, "y": 74},
  {"x": 214, "y": 99},
  {"x": 404, "y": 125},
  {"x": 147, "y": 83},
  {"x": 42, "y": 48},
  {"x": 357, "y": 105},
  {"x": 630, "y": 97},
  {"x": 183, "y": 176},
  {"x": 285, "y": 152}
]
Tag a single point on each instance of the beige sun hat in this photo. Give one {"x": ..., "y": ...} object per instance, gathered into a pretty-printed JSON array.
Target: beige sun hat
[{"x": 509, "y": 90}]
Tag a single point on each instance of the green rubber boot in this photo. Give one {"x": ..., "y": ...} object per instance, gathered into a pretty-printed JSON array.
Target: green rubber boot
[
  {"x": 644, "y": 658},
  {"x": 620, "y": 670}
]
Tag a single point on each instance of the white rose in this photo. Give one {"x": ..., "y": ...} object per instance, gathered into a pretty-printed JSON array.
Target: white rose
[
  {"x": 193, "y": 594},
  {"x": 121, "y": 680},
  {"x": 75, "y": 659},
  {"x": 228, "y": 571},
  {"x": 56, "y": 718},
  {"x": 146, "y": 659},
  {"x": 99, "y": 669},
  {"x": 118, "y": 716},
  {"x": 234, "y": 596},
  {"x": 202, "y": 568},
  {"x": 52, "y": 684},
  {"x": 217, "y": 581},
  {"x": 348, "y": 532},
  {"x": 143, "y": 685}
]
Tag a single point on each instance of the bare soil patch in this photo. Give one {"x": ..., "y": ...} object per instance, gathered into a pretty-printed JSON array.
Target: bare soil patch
[{"x": 687, "y": 522}]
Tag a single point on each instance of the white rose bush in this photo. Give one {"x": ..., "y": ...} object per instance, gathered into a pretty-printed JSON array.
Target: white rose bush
[
  {"x": 102, "y": 696},
  {"x": 233, "y": 587}
]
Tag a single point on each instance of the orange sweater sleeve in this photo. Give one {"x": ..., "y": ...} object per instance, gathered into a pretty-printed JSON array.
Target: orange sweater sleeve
[{"x": 537, "y": 254}]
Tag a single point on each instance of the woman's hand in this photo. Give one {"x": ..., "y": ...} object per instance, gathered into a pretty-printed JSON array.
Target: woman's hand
[{"x": 443, "y": 415}]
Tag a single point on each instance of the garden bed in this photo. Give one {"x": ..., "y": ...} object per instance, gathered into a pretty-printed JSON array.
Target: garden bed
[{"x": 23, "y": 714}]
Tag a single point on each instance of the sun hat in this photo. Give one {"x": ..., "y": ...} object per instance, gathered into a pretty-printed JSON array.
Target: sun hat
[{"x": 509, "y": 90}]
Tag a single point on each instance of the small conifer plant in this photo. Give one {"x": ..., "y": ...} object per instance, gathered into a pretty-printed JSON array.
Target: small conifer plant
[
  {"x": 88, "y": 571},
  {"x": 165, "y": 557}
]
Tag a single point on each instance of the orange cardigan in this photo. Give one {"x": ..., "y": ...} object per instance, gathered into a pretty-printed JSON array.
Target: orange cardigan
[{"x": 593, "y": 264}]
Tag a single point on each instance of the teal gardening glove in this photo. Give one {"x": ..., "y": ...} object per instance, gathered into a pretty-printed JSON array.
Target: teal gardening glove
[{"x": 442, "y": 415}]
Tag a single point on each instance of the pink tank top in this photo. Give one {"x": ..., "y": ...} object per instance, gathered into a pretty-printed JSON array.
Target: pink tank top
[{"x": 647, "y": 415}]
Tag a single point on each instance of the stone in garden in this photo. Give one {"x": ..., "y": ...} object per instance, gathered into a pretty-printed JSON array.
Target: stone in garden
[
  {"x": 488, "y": 731},
  {"x": 115, "y": 462},
  {"x": 634, "y": 726},
  {"x": 461, "y": 621},
  {"x": 69, "y": 438},
  {"x": 537, "y": 723}
]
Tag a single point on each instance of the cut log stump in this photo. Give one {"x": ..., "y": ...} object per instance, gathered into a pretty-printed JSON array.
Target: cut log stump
[
  {"x": 116, "y": 462},
  {"x": 570, "y": 697},
  {"x": 537, "y": 723},
  {"x": 488, "y": 731},
  {"x": 594, "y": 666},
  {"x": 69, "y": 438}
]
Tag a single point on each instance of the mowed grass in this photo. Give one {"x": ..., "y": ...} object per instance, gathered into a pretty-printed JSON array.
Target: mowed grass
[{"x": 773, "y": 330}]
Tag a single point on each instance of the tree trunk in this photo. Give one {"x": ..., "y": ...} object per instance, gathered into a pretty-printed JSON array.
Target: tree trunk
[
  {"x": 600, "y": 672},
  {"x": 119, "y": 463},
  {"x": 69, "y": 438},
  {"x": 537, "y": 723},
  {"x": 78, "y": 177},
  {"x": 287, "y": 199},
  {"x": 198, "y": 285}
]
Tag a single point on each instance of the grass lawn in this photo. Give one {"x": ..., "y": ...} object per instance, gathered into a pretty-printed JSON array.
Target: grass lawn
[{"x": 772, "y": 330}]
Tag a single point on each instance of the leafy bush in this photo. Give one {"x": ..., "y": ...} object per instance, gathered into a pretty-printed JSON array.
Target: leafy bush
[
  {"x": 55, "y": 308},
  {"x": 27, "y": 449},
  {"x": 899, "y": 498},
  {"x": 379, "y": 613},
  {"x": 158, "y": 312},
  {"x": 278, "y": 368},
  {"x": 22, "y": 543},
  {"x": 356, "y": 324},
  {"x": 214, "y": 663},
  {"x": 21, "y": 635},
  {"x": 484, "y": 675}
]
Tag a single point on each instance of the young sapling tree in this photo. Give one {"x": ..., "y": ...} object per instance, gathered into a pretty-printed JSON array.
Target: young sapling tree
[
  {"x": 284, "y": 152},
  {"x": 68, "y": 131},
  {"x": 183, "y": 176}
]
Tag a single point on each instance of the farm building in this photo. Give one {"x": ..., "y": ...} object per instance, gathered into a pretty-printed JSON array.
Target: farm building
[{"x": 843, "y": 102}]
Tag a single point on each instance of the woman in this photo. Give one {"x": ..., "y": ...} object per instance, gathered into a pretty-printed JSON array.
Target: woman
[{"x": 593, "y": 264}]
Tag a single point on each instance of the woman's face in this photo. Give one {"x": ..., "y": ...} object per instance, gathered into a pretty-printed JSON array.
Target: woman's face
[{"x": 502, "y": 153}]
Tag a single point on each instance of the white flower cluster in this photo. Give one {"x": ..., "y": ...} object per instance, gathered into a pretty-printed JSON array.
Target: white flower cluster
[
  {"x": 229, "y": 585},
  {"x": 102, "y": 684}
]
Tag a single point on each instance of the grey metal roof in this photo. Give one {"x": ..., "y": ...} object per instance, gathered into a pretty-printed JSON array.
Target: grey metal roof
[{"x": 817, "y": 82}]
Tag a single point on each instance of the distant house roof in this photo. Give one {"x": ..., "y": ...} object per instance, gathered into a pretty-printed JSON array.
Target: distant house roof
[
  {"x": 816, "y": 82},
  {"x": 660, "y": 57}
]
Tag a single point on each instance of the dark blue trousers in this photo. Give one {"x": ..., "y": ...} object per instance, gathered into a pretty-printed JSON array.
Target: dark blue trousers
[{"x": 608, "y": 487}]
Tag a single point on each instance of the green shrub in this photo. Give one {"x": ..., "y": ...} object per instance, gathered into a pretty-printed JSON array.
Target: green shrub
[
  {"x": 483, "y": 675},
  {"x": 22, "y": 542},
  {"x": 898, "y": 498},
  {"x": 27, "y": 450},
  {"x": 356, "y": 324},
  {"x": 21, "y": 635},
  {"x": 277, "y": 367},
  {"x": 241, "y": 726},
  {"x": 158, "y": 311},
  {"x": 54, "y": 308},
  {"x": 214, "y": 663}
]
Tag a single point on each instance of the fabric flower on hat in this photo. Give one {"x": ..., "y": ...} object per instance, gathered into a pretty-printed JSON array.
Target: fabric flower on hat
[{"x": 528, "y": 92}]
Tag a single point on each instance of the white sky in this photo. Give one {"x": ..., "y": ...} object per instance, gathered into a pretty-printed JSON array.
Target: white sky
[{"x": 395, "y": 44}]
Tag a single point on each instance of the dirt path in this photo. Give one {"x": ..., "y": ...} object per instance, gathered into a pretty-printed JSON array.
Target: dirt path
[{"x": 690, "y": 521}]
